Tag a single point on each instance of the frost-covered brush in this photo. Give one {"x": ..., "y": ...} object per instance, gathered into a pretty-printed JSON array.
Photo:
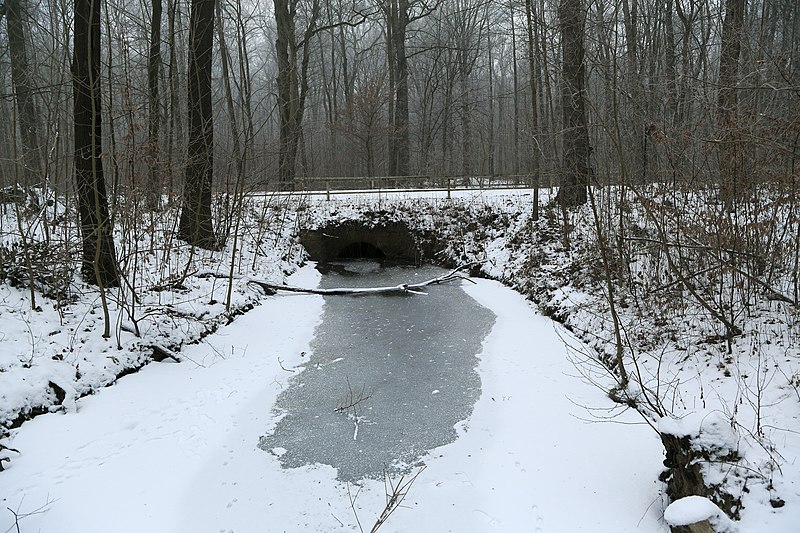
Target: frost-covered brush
[{"x": 405, "y": 288}]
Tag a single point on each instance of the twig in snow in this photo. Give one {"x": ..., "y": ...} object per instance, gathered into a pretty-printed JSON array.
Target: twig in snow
[
  {"x": 280, "y": 362},
  {"x": 353, "y": 505},
  {"x": 395, "y": 494},
  {"x": 20, "y": 516},
  {"x": 337, "y": 519}
]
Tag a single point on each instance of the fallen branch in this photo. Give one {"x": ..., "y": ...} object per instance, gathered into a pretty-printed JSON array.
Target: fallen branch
[{"x": 405, "y": 288}]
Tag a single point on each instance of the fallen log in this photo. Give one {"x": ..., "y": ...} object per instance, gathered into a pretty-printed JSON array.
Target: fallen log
[{"x": 405, "y": 288}]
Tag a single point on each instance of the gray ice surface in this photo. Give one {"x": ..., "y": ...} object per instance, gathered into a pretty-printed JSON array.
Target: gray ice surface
[{"x": 406, "y": 361}]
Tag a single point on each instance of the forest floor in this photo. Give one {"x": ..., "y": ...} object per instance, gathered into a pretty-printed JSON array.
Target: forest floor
[{"x": 174, "y": 446}]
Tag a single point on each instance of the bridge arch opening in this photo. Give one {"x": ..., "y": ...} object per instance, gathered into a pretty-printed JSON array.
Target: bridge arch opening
[
  {"x": 357, "y": 240},
  {"x": 361, "y": 250}
]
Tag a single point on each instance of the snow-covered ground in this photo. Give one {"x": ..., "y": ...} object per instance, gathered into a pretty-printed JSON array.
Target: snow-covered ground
[{"x": 173, "y": 447}]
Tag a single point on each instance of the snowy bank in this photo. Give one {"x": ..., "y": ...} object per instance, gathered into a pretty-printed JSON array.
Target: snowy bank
[{"x": 52, "y": 347}]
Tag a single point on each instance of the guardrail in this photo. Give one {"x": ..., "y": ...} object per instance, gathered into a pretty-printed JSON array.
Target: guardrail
[{"x": 340, "y": 185}]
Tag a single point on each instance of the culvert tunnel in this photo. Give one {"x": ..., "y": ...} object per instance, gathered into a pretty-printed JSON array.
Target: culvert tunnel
[
  {"x": 361, "y": 250},
  {"x": 351, "y": 240}
]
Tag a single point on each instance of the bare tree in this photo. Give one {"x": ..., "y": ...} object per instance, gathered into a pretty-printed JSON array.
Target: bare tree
[
  {"x": 730, "y": 165},
  {"x": 154, "y": 122},
  {"x": 17, "y": 20},
  {"x": 99, "y": 257},
  {"x": 292, "y": 85},
  {"x": 293, "y": 53},
  {"x": 575, "y": 168},
  {"x": 536, "y": 170},
  {"x": 196, "y": 225},
  {"x": 399, "y": 14},
  {"x": 176, "y": 137},
  {"x": 396, "y": 13}
]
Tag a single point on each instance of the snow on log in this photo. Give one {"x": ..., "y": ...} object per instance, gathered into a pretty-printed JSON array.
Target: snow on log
[
  {"x": 405, "y": 288},
  {"x": 698, "y": 514}
]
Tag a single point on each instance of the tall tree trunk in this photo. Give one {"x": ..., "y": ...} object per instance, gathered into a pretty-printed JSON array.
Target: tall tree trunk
[
  {"x": 575, "y": 166},
  {"x": 536, "y": 148},
  {"x": 635, "y": 127},
  {"x": 687, "y": 19},
  {"x": 99, "y": 264},
  {"x": 515, "y": 80},
  {"x": 303, "y": 85},
  {"x": 466, "y": 120},
  {"x": 330, "y": 87},
  {"x": 111, "y": 152},
  {"x": 491, "y": 163},
  {"x": 175, "y": 109},
  {"x": 285, "y": 49},
  {"x": 226, "y": 82},
  {"x": 550, "y": 106},
  {"x": 396, "y": 13},
  {"x": 401, "y": 123},
  {"x": 154, "y": 120},
  {"x": 235, "y": 132},
  {"x": 732, "y": 184},
  {"x": 670, "y": 63},
  {"x": 292, "y": 85},
  {"x": 22, "y": 81},
  {"x": 390, "y": 11},
  {"x": 246, "y": 80},
  {"x": 245, "y": 91},
  {"x": 196, "y": 225}
]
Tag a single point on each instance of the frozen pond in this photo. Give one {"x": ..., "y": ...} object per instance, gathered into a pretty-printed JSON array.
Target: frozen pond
[{"x": 388, "y": 379}]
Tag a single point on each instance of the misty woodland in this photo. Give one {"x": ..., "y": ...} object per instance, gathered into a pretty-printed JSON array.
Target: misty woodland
[{"x": 615, "y": 182}]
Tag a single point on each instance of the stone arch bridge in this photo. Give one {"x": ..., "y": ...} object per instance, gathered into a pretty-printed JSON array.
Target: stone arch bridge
[{"x": 352, "y": 240}]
